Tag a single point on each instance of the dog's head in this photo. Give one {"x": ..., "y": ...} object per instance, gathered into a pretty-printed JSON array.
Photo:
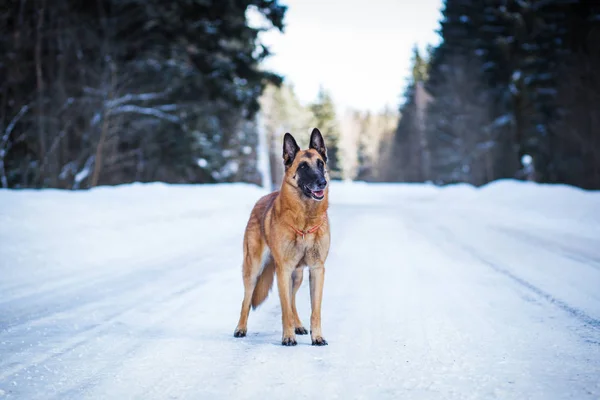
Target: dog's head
[{"x": 306, "y": 170}]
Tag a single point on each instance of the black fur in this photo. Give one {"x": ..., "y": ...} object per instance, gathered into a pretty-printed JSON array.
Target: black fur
[
  {"x": 319, "y": 342},
  {"x": 289, "y": 342},
  {"x": 239, "y": 333},
  {"x": 311, "y": 178}
]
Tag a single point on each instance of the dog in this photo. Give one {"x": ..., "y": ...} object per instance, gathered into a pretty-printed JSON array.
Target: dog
[{"x": 287, "y": 231}]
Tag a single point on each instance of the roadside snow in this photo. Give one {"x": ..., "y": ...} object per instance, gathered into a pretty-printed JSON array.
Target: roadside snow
[{"x": 454, "y": 293}]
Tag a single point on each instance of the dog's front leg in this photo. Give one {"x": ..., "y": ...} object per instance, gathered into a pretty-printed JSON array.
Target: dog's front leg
[
  {"x": 317, "y": 278},
  {"x": 284, "y": 281}
]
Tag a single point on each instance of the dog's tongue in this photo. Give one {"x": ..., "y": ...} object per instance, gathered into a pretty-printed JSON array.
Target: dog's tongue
[{"x": 319, "y": 193}]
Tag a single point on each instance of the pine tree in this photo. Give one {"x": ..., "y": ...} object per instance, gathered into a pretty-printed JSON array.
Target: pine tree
[
  {"x": 323, "y": 110},
  {"x": 118, "y": 91},
  {"x": 409, "y": 158},
  {"x": 468, "y": 122},
  {"x": 281, "y": 112},
  {"x": 511, "y": 78},
  {"x": 569, "y": 142},
  {"x": 375, "y": 133}
]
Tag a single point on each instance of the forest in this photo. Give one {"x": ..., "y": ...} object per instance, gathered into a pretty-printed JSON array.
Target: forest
[
  {"x": 104, "y": 92},
  {"x": 513, "y": 91},
  {"x": 108, "y": 92}
]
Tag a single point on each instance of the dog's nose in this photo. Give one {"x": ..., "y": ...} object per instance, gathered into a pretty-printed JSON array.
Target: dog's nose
[{"x": 322, "y": 183}]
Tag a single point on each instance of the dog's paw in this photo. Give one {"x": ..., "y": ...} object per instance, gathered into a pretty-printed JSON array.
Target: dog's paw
[
  {"x": 319, "y": 341},
  {"x": 301, "y": 331},
  {"x": 239, "y": 333},
  {"x": 289, "y": 342}
]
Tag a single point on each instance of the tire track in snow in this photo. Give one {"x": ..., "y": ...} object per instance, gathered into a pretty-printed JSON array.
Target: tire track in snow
[
  {"x": 134, "y": 289},
  {"x": 127, "y": 348},
  {"x": 452, "y": 235},
  {"x": 196, "y": 342},
  {"x": 581, "y": 315},
  {"x": 84, "y": 336},
  {"x": 579, "y": 255},
  {"x": 88, "y": 289}
]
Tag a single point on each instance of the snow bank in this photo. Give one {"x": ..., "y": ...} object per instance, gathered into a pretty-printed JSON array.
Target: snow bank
[
  {"x": 569, "y": 201},
  {"x": 123, "y": 203},
  {"x": 561, "y": 201},
  {"x": 133, "y": 201},
  {"x": 105, "y": 225}
]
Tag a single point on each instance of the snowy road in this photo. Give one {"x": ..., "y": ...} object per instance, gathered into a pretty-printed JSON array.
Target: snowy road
[{"x": 134, "y": 292}]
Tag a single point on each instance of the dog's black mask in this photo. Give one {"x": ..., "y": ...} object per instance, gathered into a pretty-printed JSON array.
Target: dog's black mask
[
  {"x": 311, "y": 179},
  {"x": 310, "y": 174}
]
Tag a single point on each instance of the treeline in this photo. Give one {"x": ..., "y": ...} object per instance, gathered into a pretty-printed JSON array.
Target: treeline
[
  {"x": 106, "y": 91},
  {"x": 282, "y": 111},
  {"x": 357, "y": 141},
  {"x": 513, "y": 91}
]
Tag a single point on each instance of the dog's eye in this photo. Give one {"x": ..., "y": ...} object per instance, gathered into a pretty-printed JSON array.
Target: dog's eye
[
  {"x": 320, "y": 164},
  {"x": 303, "y": 166}
]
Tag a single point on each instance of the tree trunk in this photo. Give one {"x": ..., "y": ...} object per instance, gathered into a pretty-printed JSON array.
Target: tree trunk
[
  {"x": 40, "y": 84},
  {"x": 104, "y": 128}
]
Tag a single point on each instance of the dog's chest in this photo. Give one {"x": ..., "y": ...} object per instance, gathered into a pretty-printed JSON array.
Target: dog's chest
[{"x": 309, "y": 249}]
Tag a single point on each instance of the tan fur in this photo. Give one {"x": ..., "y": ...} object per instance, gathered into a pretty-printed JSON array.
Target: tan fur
[{"x": 271, "y": 227}]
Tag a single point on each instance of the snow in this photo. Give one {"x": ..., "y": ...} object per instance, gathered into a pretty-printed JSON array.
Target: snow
[
  {"x": 488, "y": 65},
  {"x": 81, "y": 175},
  {"x": 502, "y": 120},
  {"x": 133, "y": 97},
  {"x": 154, "y": 112},
  {"x": 454, "y": 292}
]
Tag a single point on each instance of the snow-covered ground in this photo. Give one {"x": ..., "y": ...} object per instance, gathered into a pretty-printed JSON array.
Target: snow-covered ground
[{"x": 453, "y": 293}]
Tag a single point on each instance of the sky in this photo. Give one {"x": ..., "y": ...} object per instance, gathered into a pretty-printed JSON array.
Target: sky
[{"x": 358, "y": 50}]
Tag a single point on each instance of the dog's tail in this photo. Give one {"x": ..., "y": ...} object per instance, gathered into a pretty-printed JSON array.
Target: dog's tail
[{"x": 264, "y": 283}]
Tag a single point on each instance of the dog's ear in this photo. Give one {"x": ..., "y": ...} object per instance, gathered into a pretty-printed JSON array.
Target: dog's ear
[
  {"x": 290, "y": 149},
  {"x": 317, "y": 143}
]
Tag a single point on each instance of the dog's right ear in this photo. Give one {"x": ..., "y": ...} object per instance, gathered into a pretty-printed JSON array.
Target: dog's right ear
[{"x": 290, "y": 149}]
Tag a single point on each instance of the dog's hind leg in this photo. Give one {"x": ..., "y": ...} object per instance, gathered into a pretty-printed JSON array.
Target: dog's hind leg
[
  {"x": 251, "y": 271},
  {"x": 296, "y": 282}
]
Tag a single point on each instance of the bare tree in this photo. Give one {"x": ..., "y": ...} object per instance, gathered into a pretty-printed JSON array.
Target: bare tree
[{"x": 5, "y": 143}]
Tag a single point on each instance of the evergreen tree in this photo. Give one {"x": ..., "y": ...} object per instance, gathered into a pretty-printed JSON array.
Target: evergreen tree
[
  {"x": 409, "y": 159},
  {"x": 118, "y": 91},
  {"x": 373, "y": 144},
  {"x": 323, "y": 110},
  {"x": 503, "y": 84},
  {"x": 281, "y": 112}
]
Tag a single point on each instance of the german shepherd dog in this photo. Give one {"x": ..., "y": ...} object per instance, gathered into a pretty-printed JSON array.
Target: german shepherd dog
[{"x": 287, "y": 231}]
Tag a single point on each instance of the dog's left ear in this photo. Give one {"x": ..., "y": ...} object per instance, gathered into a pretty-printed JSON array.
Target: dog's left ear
[{"x": 317, "y": 143}]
